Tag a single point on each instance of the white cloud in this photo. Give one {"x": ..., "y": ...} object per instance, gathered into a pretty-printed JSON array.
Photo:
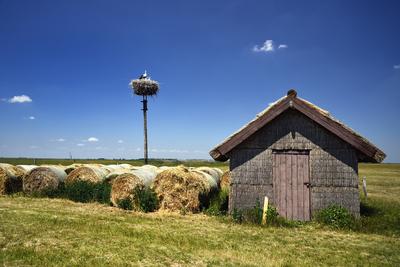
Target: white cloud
[
  {"x": 60, "y": 140},
  {"x": 93, "y": 139},
  {"x": 33, "y": 147},
  {"x": 267, "y": 47},
  {"x": 396, "y": 67},
  {"x": 120, "y": 141},
  {"x": 282, "y": 46},
  {"x": 32, "y": 117},
  {"x": 20, "y": 99},
  {"x": 80, "y": 144}
]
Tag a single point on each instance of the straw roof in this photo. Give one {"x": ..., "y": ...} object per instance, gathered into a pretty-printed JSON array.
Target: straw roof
[{"x": 368, "y": 151}]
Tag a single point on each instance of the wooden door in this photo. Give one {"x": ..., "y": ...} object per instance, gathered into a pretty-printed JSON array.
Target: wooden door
[{"x": 292, "y": 184}]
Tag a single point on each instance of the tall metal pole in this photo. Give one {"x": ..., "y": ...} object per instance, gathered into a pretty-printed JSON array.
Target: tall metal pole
[{"x": 146, "y": 155}]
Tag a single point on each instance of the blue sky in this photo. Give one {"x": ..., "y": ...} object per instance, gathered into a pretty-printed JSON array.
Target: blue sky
[{"x": 216, "y": 67}]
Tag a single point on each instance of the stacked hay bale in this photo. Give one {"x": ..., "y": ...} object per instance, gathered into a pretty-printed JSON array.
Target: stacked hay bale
[
  {"x": 88, "y": 173},
  {"x": 10, "y": 178},
  {"x": 225, "y": 182},
  {"x": 125, "y": 165},
  {"x": 182, "y": 189},
  {"x": 26, "y": 168},
  {"x": 42, "y": 178},
  {"x": 125, "y": 186},
  {"x": 215, "y": 173},
  {"x": 74, "y": 166}
]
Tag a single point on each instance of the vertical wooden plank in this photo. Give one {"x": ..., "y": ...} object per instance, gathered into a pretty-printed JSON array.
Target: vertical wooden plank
[
  {"x": 289, "y": 188},
  {"x": 307, "y": 189},
  {"x": 300, "y": 184},
  {"x": 282, "y": 178},
  {"x": 275, "y": 180},
  {"x": 295, "y": 188}
]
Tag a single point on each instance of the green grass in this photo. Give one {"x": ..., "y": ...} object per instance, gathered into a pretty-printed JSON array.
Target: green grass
[{"x": 43, "y": 232}]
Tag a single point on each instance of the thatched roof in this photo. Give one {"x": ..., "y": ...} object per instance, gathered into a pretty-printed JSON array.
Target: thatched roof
[{"x": 368, "y": 151}]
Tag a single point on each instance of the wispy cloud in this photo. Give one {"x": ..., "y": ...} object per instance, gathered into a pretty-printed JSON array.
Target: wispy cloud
[
  {"x": 31, "y": 117},
  {"x": 80, "y": 144},
  {"x": 396, "y": 67},
  {"x": 33, "y": 147},
  {"x": 93, "y": 139},
  {"x": 60, "y": 140},
  {"x": 120, "y": 141},
  {"x": 20, "y": 99},
  {"x": 267, "y": 47}
]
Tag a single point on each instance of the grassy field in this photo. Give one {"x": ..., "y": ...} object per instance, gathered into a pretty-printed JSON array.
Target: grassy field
[
  {"x": 43, "y": 232},
  {"x": 134, "y": 162}
]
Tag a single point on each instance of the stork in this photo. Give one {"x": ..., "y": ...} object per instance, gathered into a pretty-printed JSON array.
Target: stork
[{"x": 144, "y": 75}]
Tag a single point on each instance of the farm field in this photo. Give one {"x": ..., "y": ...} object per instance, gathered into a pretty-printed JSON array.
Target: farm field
[
  {"x": 133, "y": 162},
  {"x": 40, "y": 231}
]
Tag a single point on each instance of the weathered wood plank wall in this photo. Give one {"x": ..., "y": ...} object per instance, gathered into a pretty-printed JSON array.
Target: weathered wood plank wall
[{"x": 333, "y": 164}]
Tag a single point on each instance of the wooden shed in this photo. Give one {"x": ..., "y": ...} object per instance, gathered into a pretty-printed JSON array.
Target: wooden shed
[{"x": 299, "y": 156}]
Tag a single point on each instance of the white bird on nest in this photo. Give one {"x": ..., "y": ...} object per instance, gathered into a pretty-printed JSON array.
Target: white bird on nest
[{"x": 144, "y": 75}]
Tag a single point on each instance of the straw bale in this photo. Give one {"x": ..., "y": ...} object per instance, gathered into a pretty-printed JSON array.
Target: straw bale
[
  {"x": 87, "y": 173},
  {"x": 124, "y": 187},
  {"x": 214, "y": 172},
  {"x": 180, "y": 189},
  {"x": 225, "y": 180},
  {"x": 26, "y": 168},
  {"x": 10, "y": 179},
  {"x": 43, "y": 178},
  {"x": 125, "y": 165}
]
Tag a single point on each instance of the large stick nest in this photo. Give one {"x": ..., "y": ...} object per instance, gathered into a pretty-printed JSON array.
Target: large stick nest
[{"x": 144, "y": 87}]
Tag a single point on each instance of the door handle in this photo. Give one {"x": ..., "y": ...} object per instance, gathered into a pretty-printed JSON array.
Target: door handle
[{"x": 308, "y": 185}]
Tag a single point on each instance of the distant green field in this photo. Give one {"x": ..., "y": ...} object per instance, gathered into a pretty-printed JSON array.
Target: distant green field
[
  {"x": 48, "y": 232},
  {"x": 135, "y": 162}
]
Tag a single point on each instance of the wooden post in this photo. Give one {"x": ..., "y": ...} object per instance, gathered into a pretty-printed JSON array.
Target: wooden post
[
  {"x": 364, "y": 184},
  {"x": 264, "y": 217},
  {"x": 146, "y": 155}
]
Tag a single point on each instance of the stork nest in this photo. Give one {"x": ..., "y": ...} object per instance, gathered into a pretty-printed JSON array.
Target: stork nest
[{"x": 144, "y": 87}]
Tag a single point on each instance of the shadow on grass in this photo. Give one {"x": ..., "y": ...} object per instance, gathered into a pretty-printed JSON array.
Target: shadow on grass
[{"x": 367, "y": 210}]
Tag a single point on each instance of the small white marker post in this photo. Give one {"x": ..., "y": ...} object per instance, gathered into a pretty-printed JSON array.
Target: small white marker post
[
  {"x": 364, "y": 182},
  {"x": 264, "y": 217}
]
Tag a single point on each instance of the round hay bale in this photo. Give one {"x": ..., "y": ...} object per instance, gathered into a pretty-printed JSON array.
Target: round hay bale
[
  {"x": 179, "y": 189},
  {"x": 214, "y": 172},
  {"x": 125, "y": 165},
  {"x": 87, "y": 173},
  {"x": 225, "y": 180},
  {"x": 72, "y": 167},
  {"x": 26, "y": 168},
  {"x": 114, "y": 174},
  {"x": 150, "y": 168},
  {"x": 124, "y": 186},
  {"x": 209, "y": 181},
  {"x": 43, "y": 178},
  {"x": 147, "y": 176},
  {"x": 10, "y": 179}
]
